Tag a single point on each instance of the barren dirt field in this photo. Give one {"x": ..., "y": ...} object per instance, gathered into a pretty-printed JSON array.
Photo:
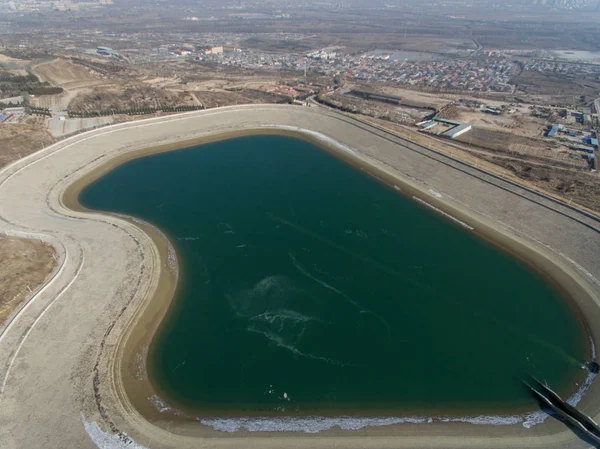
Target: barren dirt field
[
  {"x": 73, "y": 78},
  {"x": 436, "y": 100},
  {"x": 101, "y": 98},
  {"x": 518, "y": 121},
  {"x": 141, "y": 96},
  {"x": 8, "y": 59},
  {"x": 25, "y": 265},
  {"x": 509, "y": 143},
  {"x": 65, "y": 74},
  {"x": 571, "y": 88},
  {"x": 580, "y": 187},
  {"x": 19, "y": 140},
  {"x": 557, "y": 177}
]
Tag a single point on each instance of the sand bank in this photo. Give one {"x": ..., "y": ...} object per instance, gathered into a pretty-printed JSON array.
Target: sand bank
[{"x": 119, "y": 288}]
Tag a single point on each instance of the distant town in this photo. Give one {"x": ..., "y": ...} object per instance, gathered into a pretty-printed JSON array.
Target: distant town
[{"x": 522, "y": 95}]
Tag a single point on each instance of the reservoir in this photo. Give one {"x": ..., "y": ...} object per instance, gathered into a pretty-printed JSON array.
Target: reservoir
[{"x": 306, "y": 286}]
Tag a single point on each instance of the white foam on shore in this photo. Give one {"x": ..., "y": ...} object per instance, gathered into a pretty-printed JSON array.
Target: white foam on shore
[
  {"x": 317, "y": 424},
  {"x": 162, "y": 407},
  {"x": 314, "y": 424},
  {"x": 319, "y": 136},
  {"x": 105, "y": 440},
  {"x": 462, "y": 223},
  {"x": 482, "y": 419},
  {"x": 435, "y": 193},
  {"x": 534, "y": 418},
  {"x": 159, "y": 404},
  {"x": 578, "y": 395}
]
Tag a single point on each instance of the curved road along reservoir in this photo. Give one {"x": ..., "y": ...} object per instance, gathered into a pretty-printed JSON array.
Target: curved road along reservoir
[{"x": 66, "y": 358}]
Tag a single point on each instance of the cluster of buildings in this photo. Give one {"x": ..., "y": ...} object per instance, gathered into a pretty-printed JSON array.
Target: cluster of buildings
[
  {"x": 9, "y": 114},
  {"x": 488, "y": 74},
  {"x": 577, "y": 139},
  {"x": 254, "y": 59},
  {"x": 463, "y": 74},
  {"x": 218, "y": 50},
  {"x": 54, "y": 5},
  {"x": 567, "y": 4},
  {"x": 570, "y": 69},
  {"x": 585, "y": 142}
]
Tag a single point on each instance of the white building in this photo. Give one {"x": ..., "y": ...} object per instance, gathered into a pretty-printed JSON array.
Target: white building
[
  {"x": 13, "y": 111},
  {"x": 13, "y": 100},
  {"x": 458, "y": 130}
]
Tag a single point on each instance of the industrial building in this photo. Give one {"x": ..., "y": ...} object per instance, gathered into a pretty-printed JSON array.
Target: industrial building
[
  {"x": 457, "y": 130},
  {"x": 492, "y": 110},
  {"x": 376, "y": 96},
  {"x": 214, "y": 51},
  {"x": 13, "y": 100},
  {"x": 586, "y": 148},
  {"x": 14, "y": 111},
  {"x": 107, "y": 51},
  {"x": 447, "y": 122},
  {"x": 554, "y": 130},
  {"x": 426, "y": 124},
  {"x": 449, "y": 128}
]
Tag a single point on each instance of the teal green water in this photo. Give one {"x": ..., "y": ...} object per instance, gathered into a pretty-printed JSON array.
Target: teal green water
[{"x": 307, "y": 286}]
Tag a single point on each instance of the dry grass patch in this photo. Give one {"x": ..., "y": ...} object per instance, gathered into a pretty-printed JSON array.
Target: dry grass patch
[
  {"x": 26, "y": 264},
  {"x": 19, "y": 140}
]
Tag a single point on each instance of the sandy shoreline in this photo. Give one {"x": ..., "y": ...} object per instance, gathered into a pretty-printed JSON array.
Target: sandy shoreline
[{"x": 122, "y": 360}]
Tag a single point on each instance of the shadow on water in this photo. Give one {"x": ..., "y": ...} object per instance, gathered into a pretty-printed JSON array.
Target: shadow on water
[{"x": 574, "y": 429}]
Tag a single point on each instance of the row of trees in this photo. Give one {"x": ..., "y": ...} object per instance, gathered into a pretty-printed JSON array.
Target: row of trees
[
  {"x": 336, "y": 104},
  {"x": 45, "y": 89},
  {"x": 133, "y": 111},
  {"x": 40, "y": 111},
  {"x": 7, "y": 77},
  {"x": 18, "y": 84}
]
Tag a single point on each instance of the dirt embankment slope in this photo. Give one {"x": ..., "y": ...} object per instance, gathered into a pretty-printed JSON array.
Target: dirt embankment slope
[
  {"x": 26, "y": 264},
  {"x": 22, "y": 139},
  {"x": 73, "y": 78}
]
